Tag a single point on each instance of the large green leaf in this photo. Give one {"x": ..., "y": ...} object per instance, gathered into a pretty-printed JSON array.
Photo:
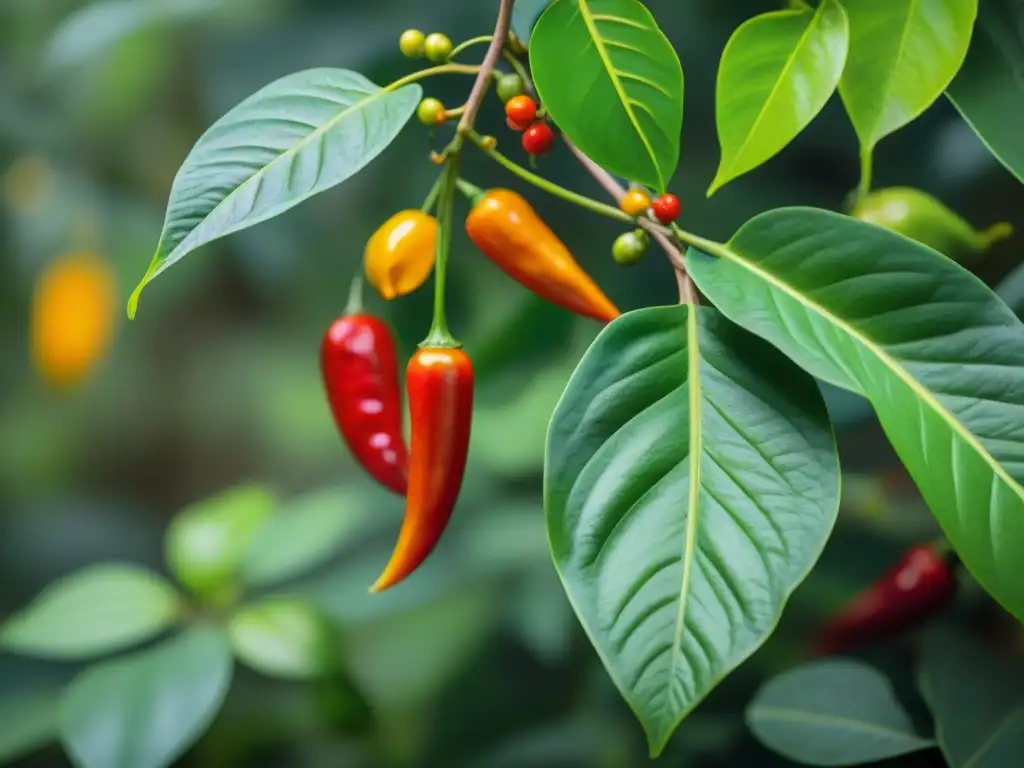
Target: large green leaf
[
  {"x": 144, "y": 711},
  {"x": 777, "y": 71},
  {"x": 97, "y": 610},
  {"x": 975, "y": 696},
  {"x": 989, "y": 89},
  {"x": 613, "y": 83},
  {"x": 691, "y": 482},
  {"x": 832, "y": 712},
  {"x": 903, "y": 54},
  {"x": 296, "y": 137},
  {"x": 933, "y": 349}
]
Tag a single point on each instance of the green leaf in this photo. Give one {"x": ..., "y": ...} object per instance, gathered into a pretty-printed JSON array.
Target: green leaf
[
  {"x": 298, "y": 136},
  {"x": 691, "y": 482},
  {"x": 777, "y": 72},
  {"x": 303, "y": 534},
  {"x": 27, "y": 722},
  {"x": 974, "y": 693},
  {"x": 206, "y": 542},
  {"x": 146, "y": 710},
  {"x": 1011, "y": 289},
  {"x": 989, "y": 89},
  {"x": 100, "y": 609},
  {"x": 284, "y": 638},
  {"x": 928, "y": 344},
  {"x": 833, "y": 712},
  {"x": 903, "y": 54},
  {"x": 524, "y": 15},
  {"x": 613, "y": 83}
]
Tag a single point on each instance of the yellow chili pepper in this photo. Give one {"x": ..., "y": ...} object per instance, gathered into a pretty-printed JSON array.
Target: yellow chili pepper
[
  {"x": 400, "y": 255},
  {"x": 72, "y": 317},
  {"x": 508, "y": 231}
]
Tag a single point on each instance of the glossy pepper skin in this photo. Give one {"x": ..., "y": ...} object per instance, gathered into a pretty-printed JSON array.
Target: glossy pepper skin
[
  {"x": 399, "y": 256},
  {"x": 439, "y": 382},
  {"x": 920, "y": 584},
  {"x": 359, "y": 366},
  {"x": 508, "y": 231}
]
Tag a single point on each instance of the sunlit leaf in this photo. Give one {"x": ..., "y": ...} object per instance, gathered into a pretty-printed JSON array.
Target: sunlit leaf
[{"x": 285, "y": 638}]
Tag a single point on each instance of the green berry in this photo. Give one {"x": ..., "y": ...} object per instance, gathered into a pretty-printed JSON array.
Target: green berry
[
  {"x": 438, "y": 47},
  {"x": 510, "y": 85},
  {"x": 412, "y": 44},
  {"x": 629, "y": 247},
  {"x": 430, "y": 112}
]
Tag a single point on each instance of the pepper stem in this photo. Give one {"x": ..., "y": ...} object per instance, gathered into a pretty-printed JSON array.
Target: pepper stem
[
  {"x": 471, "y": 191},
  {"x": 995, "y": 234},
  {"x": 428, "y": 204},
  {"x": 439, "y": 335},
  {"x": 355, "y": 295}
]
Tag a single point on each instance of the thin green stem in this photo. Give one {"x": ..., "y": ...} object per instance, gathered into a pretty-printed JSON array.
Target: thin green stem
[
  {"x": 519, "y": 69},
  {"x": 710, "y": 247},
  {"x": 355, "y": 295},
  {"x": 443, "y": 69},
  {"x": 866, "y": 163},
  {"x": 439, "y": 335},
  {"x": 538, "y": 181},
  {"x": 428, "y": 204},
  {"x": 469, "y": 44}
]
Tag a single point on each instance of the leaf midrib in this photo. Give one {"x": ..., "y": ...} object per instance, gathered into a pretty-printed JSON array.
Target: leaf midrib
[
  {"x": 790, "y": 715},
  {"x": 887, "y": 89}
]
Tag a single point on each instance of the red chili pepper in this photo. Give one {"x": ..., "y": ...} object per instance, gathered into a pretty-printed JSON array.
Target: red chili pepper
[
  {"x": 439, "y": 381},
  {"x": 360, "y": 372},
  {"x": 920, "y": 583}
]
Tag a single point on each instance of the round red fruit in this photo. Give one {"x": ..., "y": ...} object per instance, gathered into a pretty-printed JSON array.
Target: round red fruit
[
  {"x": 538, "y": 139},
  {"x": 515, "y": 126},
  {"x": 666, "y": 208},
  {"x": 521, "y": 109}
]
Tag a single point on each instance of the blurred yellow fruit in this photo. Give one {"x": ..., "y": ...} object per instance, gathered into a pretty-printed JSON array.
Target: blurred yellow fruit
[{"x": 72, "y": 317}]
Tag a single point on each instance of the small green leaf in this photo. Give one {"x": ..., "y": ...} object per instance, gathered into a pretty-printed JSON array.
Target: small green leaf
[
  {"x": 939, "y": 357},
  {"x": 903, "y": 54},
  {"x": 777, "y": 72},
  {"x": 303, "y": 534},
  {"x": 691, "y": 482},
  {"x": 284, "y": 638},
  {"x": 28, "y": 721},
  {"x": 974, "y": 693},
  {"x": 833, "y": 712},
  {"x": 100, "y": 609},
  {"x": 206, "y": 542},
  {"x": 989, "y": 89},
  {"x": 613, "y": 83},
  {"x": 295, "y": 138},
  {"x": 146, "y": 710}
]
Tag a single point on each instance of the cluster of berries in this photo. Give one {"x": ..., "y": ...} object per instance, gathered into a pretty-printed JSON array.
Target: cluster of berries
[{"x": 630, "y": 247}]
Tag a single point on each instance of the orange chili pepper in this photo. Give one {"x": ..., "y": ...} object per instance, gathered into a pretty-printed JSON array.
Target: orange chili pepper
[
  {"x": 508, "y": 231},
  {"x": 400, "y": 255},
  {"x": 439, "y": 381}
]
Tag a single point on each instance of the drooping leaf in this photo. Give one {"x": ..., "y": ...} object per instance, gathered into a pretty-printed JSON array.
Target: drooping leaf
[
  {"x": 206, "y": 541},
  {"x": 832, "y": 712},
  {"x": 933, "y": 349},
  {"x": 989, "y": 89},
  {"x": 777, "y": 71},
  {"x": 100, "y": 609},
  {"x": 903, "y": 54},
  {"x": 146, "y": 710},
  {"x": 298, "y": 136},
  {"x": 974, "y": 693},
  {"x": 285, "y": 638},
  {"x": 27, "y": 721},
  {"x": 691, "y": 482},
  {"x": 303, "y": 534},
  {"x": 613, "y": 83}
]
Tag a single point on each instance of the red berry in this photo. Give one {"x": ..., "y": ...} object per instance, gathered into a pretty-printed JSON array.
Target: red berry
[
  {"x": 538, "y": 139},
  {"x": 666, "y": 208},
  {"x": 517, "y": 127},
  {"x": 521, "y": 109}
]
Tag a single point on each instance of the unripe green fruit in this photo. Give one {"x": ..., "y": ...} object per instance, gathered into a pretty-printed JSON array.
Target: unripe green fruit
[
  {"x": 630, "y": 247},
  {"x": 430, "y": 112},
  {"x": 919, "y": 216},
  {"x": 412, "y": 44},
  {"x": 438, "y": 47},
  {"x": 510, "y": 85}
]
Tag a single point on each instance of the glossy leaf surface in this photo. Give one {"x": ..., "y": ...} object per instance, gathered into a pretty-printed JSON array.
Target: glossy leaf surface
[
  {"x": 903, "y": 54},
  {"x": 832, "y": 712},
  {"x": 613, "y": 83},
  {"x": 691, "y": 482},
  {"x": 298, "y": 136},
  {"x": 933, "y": 349},
  {"x": 776, "y": 73}
]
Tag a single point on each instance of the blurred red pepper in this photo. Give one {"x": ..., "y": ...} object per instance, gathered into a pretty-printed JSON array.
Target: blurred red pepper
[
  {"x": 439, "y": 381},
  {"x": 360, "y": 372},
  {"x": 917, "y": 587}
]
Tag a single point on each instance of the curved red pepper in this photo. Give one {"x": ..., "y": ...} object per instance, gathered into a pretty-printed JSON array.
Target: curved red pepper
[
  {"x": 439, "y": 381},
  {"x": 360, "y": 372},
  {"x": 921, "y": 583}
]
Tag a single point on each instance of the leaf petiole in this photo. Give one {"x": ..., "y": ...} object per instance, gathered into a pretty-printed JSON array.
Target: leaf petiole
[
  {"x": 469, "y": 44},
  {"x": 443, "y": 69}
]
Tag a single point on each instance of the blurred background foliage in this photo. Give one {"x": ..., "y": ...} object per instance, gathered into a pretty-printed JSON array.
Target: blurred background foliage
[{"x": 477, "y": 660}]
